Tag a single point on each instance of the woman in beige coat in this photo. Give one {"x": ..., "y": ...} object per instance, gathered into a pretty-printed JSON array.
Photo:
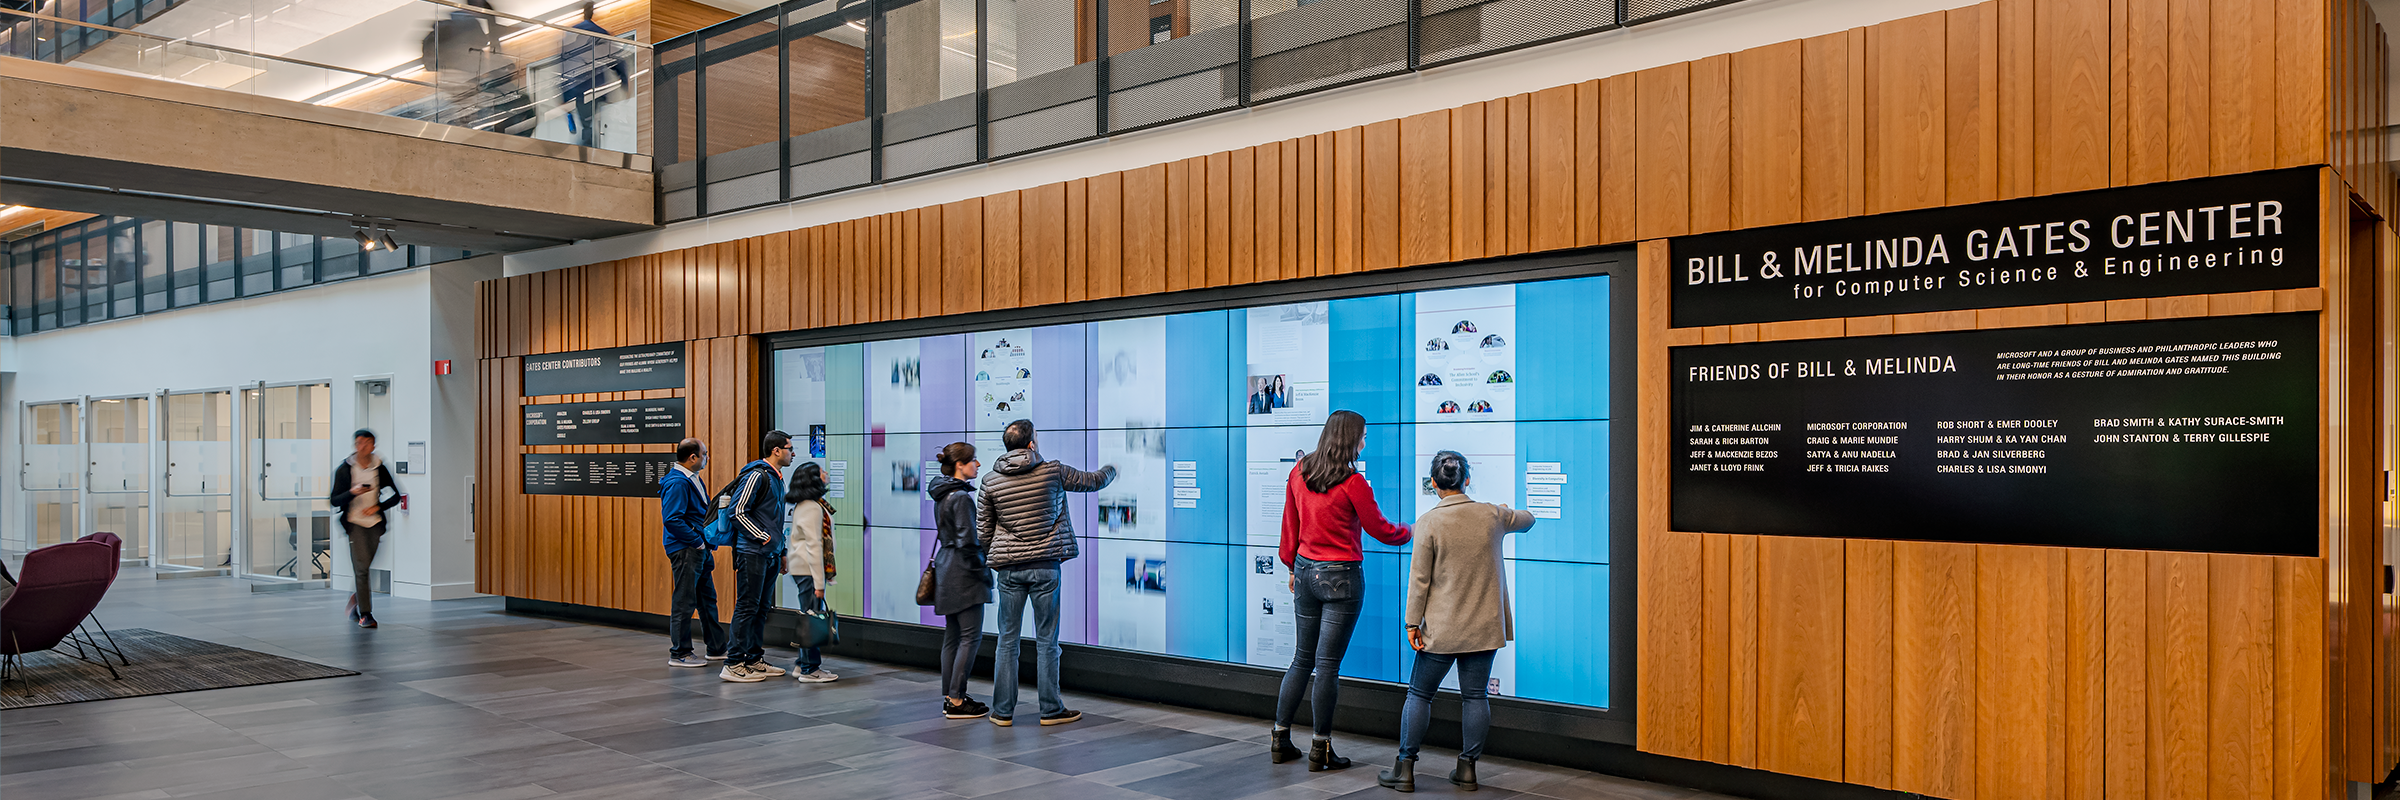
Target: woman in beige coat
[{"x": 1457, "y": 616}]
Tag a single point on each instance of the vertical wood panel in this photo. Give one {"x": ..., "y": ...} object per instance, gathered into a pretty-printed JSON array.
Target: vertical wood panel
[
  {"x": 1972, "y": 130},
  {"x": 1466, "y": 182},
  {"x": 962, "y": 256},
  {"x": 1349, "y": 167},
  {"x": 1241, "y": 221},
  {"x": 1426, "y": 167},
  {"x": 1145, "y": 242},
  {"x": 2300, "y": 713},
  {"x": 1766, "y": 152},
  {"x": 1712, "y": 144},
  {"x": 1073, "y": 228},
  {"x": 1111, "y": 206},
  {"x": 2178, "y": 674},
  {"x": 1742, "y": 583},
  {"x": 2188, "y": 87},
  {"x": 2242, "y": 69},
  {"x": 1664, "y": 150},
  {"x": 1801, "y": 601},
  {"x": 1908, "y": 100},
  {"x": 2083, "y": 740},
  {"x": 2301, "y": 35},
  {"x": 1213, "y": 205},
  {"x": 1717, "y": 712},
  {"x": 2241, "y": 669},
  {"x": 1180, "y": 273},
  {"x": 2071, "y": 54},
  {"x": 1825, "y": 129},
  {"x": 1867, "y": 663},
  {"x": 1553, "y": 157},
  {"x": 1668, "y": 718},
  {"x": 1495, "y": 177},
  {"x": 1933, "y": 668},
  {"x": 1518, "y": 175},
  {"x": 1043, "y": 260},
  {"x": 2015, "y": 88},
  {"x": 1620, "y": 158},
  {"x": 2020, "y": 633},
  {"x": 1379, "y": 202},
  {"x": 1586, "y": 134},
  {"x": 1266, "y": 212}
]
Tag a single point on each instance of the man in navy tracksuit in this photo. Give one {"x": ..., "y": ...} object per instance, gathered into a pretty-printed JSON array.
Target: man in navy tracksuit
[
  {"x": 758, "y": 540},
  {"x": 684, "y": 505}
]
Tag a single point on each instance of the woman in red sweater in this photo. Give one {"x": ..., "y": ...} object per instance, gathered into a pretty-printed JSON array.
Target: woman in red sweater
[{"x": 1326, "y": 504}]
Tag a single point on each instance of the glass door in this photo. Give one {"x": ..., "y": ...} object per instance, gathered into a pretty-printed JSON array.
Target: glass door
[
  {"x": 196, "y": 524},
  {"x": 120, "y": 471},
  {"x": 53, "y": 472},
  {"x": 290, "y": 432}
]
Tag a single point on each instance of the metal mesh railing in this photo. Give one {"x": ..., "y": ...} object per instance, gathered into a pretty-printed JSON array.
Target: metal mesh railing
[{"x": 817, "y": 96}]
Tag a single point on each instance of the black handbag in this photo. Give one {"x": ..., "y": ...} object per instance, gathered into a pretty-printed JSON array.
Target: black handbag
[
  {"x": 819, "y": 626},
  {"x": 925, "y": 585}
]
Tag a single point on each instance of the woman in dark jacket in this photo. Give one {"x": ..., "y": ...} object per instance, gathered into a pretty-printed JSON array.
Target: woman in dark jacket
[{"x": 961, "y": 582}]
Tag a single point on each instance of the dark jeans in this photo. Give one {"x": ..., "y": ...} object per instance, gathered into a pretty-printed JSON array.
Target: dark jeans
[
  {"x": 1475, "y": 715},
  {"x": 962, "y": 635},
  {"x": 1326, "y": 599},
  {"x": 695, "y": 592},
  {"x": 364, "y": 539},
  {"x": 810, "y": 657},
  {"x": 1017, "y": 586},
  {"x": 753, "y": 579}
]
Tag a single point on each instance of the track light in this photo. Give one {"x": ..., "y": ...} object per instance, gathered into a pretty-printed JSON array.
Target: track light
[
  {"x": 365, "y": 242},
  {"x": 388, "y": 244}
]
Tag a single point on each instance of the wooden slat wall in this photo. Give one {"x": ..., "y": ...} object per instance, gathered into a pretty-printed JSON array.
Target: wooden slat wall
[{"x": 1943, "y": 669}]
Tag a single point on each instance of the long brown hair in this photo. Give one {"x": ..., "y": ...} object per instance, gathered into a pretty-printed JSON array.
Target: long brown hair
[{"x": 1337, "y": 448}]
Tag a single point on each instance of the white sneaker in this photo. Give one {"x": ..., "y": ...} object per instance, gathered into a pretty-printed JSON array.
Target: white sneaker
[
  {"x": 766, "y": 669},
  {"x": 741, "y": 673},
  {"x": 819, "y": 676}
]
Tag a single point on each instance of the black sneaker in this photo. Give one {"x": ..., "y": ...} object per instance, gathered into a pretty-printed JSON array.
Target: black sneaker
[
  {"x": 966, "y": 710},
  {"x": 1002, "y": 721},
  {"x": 366, "y": 620},
  {"x": 1063, "y": 717}
]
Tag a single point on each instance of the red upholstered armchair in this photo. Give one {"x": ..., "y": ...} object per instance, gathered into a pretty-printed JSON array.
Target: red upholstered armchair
[
  {"x": 59, "y": 586},
  {"x": 116, "y": 561}
]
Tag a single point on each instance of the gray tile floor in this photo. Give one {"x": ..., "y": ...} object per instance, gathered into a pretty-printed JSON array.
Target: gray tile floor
[{"x": 462, "y": 700}]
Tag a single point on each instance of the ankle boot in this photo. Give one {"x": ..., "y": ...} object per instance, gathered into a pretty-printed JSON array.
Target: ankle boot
[
  {"x": 1464, "y": 775},
  {"x": 1280, "y": 748},
  {"x": 1402, "y": 777},
  {"x": 1322, "y": 759}
]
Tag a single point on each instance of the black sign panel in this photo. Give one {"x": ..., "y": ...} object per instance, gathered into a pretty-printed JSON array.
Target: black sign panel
[
  {"x": 617, "y": 369},
  {"x": 2194, "y": 434},
  {"x": 2235, "y": 233},
  {"x": 606, "y": 422},
  {"x": 597, "y": 474}
]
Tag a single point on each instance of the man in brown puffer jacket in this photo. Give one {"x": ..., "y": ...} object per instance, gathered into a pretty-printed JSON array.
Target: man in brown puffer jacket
[{"x": 1022, "y": 512}]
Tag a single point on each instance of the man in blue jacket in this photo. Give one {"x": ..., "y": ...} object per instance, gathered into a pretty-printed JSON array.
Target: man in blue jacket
[
  {"x": 758, "y": 540},
  {"x": 684, "y": 505}
]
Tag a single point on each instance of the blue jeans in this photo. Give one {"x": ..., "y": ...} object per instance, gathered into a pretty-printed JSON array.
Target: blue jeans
[
  {"x": 1475, "y": 713},
  {"x": 695, "y": 593},
  {"x": 1016, "y": 587},
  {"x": 753, "y": 579},
  {"x": 1325, "y": 610},
  {"x": 810, "y": 657}
]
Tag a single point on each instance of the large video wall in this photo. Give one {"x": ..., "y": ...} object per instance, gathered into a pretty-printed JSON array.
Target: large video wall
[{"x": 1204, "y": 415}]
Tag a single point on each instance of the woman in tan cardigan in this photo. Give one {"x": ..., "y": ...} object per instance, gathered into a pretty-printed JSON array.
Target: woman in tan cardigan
[{"x": 1457, "y": 616}]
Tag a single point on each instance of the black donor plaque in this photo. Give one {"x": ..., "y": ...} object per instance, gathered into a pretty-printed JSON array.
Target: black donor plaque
[
  {"x": 2235, "y": 233},
  {"x": 606, "y": 422},
  {"x": 617, "y": 369},
  {"x": 597, "y": 474},
  {"x": 2193, "y": 434}
]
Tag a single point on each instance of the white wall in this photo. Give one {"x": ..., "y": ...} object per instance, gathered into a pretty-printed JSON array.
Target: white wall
[
  {"x": 1726, "y": 29},
  {"x": 389, "y": 325}
]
